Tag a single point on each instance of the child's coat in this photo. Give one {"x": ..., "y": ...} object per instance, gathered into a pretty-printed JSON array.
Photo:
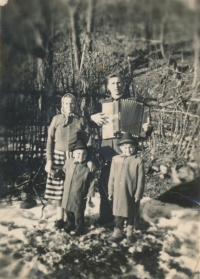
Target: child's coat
[
  {"x": 126, "y": 182},
  {"x": 78, "y": 185}
]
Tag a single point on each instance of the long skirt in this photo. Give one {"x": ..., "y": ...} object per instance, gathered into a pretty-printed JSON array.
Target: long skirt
[{"x": 54, "y": 186}]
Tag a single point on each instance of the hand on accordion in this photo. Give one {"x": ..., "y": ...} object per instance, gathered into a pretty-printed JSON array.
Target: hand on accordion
[
  {"x": 69, "y": 155},
  {"x": 147, "y": 127},
  {"x": 90, "y": 166},
  {"x": 99, "y": 118}
]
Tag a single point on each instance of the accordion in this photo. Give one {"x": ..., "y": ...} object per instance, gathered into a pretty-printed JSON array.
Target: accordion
[{"x": 124, "y": 116}]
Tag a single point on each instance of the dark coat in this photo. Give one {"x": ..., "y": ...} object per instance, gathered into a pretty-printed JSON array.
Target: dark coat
[
  {"x": 126, "y": 182},
  {"x": 78, "y": 184}
]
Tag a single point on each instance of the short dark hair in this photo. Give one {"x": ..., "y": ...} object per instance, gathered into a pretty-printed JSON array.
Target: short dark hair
[{"x": 113, "y": 75}]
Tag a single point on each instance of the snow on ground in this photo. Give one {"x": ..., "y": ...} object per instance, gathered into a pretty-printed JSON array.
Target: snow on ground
[{"x": 167, "y": 246}]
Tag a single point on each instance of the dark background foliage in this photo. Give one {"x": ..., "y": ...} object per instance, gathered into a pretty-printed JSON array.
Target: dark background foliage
[{"x": 49, "y": 48}]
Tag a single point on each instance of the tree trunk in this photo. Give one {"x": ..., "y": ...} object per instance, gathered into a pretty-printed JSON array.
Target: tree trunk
[
  {"x": 148, "y": 25},
  {"x": 40, "y": 73},
  {"x": 162, "y": 35},
  {"x": 196, "y": 45},
  {"x": 47, "y": 15},
  {"x": 90, "y": 16},
  {"x": 73, "y": 11},
  {"x": 89, "y": 30}
]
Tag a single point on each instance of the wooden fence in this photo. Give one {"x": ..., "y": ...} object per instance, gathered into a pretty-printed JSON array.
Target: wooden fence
[{"x": 23, "y": 141}]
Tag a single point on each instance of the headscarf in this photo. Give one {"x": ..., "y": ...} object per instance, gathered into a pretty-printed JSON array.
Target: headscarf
[{"x": 68, "y": 95}]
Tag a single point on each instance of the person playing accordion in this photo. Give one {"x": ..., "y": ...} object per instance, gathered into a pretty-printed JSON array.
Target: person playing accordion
[{"x": 109, "y": 146}]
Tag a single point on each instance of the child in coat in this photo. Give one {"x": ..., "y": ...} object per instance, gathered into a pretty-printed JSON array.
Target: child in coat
[
  {"x": 126, "y": 185},
  {"x": 78, "y": 186}
]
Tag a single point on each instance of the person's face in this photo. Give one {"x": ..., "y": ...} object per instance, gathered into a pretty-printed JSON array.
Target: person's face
[
  {"x": 80, "y": 155},
  {"x": 128, "y": 149},
  {"x": 116, "y": 87},
  {"x": 68, "y": 105}
]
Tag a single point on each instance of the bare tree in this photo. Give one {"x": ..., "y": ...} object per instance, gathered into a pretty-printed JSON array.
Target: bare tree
[
  {"x": 89, "y": 29},
  {"x": 149, "y": 24},
  {"x": 73, "y": 11},
  {"x": 196, "y": 44}
]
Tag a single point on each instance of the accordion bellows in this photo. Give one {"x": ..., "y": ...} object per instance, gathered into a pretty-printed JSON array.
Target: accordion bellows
[{"x": 125, "y": 116}]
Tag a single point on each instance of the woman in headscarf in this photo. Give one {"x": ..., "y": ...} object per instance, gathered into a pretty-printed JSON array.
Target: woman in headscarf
[{"x": 63, "y": 133}]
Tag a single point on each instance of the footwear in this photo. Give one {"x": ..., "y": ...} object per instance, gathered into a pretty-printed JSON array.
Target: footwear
[
  {"x": 69, "y": 228},
  {"x": 59, "y": 224},
  {"x": 131, "y": 239},
  {"x": 117, "y": 234},
  {"x": 129, "y": 234},
  {"x": 137, "y": 226},
  {"x": 129, "y": 231},
  {"x": 79, "y": 231}
]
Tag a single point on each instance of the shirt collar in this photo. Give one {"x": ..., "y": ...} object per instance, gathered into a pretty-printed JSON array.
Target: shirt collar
[
  {"x": 112, "y": 99},
  {"x": 82, "y": 163},
  {"x": 120, "y": 98},
  {"x": 74, "y": 114},
  {"x": 68, "y": 118},
  {"x": 124, "y": 156}
]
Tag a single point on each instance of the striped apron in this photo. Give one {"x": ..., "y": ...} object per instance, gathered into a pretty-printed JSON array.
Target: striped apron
[{"x": 54, "y": 186}]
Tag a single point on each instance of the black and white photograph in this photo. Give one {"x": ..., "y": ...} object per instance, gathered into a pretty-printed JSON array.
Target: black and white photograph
[{"x": 99, "y": 139}]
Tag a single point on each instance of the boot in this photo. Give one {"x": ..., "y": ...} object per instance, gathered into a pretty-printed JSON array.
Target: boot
[
  {"x": 129, "y": 233},
  {"x": 117, "y": 234},
  {"x": 137, "y": 224},
  {"x": 79, "y": 231},
  {"x": 59, "y": 224},
  {"x": 69, "y": 227}
]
